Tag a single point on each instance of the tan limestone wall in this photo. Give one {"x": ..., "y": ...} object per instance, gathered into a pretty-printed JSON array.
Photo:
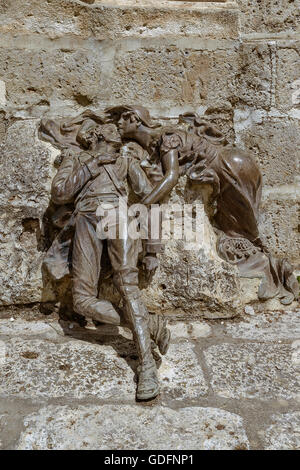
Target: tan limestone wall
[{"x": 237, "y": 63}]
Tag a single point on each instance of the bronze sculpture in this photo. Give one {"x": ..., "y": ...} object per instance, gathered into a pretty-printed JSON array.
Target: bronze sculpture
[{"x": 93, "y": 173}]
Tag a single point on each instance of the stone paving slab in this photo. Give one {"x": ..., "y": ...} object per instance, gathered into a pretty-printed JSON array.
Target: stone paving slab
[
  {"x": 18, "y": 327},
  {"x": 76, "y": 369},
  {"x": 283, "y": 433},
  {"x": 39, "y": 369},
  {"x": 132, "y": 427},
  {"x": 180, "y": 373},
  {"x": 253, "y": 371},
  {"x": 267, "y": 327}
]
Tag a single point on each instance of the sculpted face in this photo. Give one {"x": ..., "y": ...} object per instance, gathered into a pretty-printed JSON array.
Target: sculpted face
[{"x": 128, "y": 124}]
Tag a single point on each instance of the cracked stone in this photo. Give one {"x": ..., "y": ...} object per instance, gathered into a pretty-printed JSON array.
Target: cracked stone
[{"x": 128, "y": 427}]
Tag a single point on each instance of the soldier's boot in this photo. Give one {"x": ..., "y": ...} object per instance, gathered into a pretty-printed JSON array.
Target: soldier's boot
[
  {"x": 159, "y": 332},
  {"x": 138, "y": 318},
  {"x": 148, "y": 383}
]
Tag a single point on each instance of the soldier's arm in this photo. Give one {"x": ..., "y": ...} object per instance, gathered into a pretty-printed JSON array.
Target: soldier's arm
[
  {"x": 171, "y": 175},
  {"x": 70, "y": 178}
]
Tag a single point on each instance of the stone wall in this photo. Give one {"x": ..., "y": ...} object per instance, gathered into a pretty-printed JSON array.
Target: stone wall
[{"x": 237, "y": 63}]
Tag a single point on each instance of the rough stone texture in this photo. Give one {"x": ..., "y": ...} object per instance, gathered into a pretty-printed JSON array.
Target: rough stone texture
[
  {"x": 194, "y": 330},
  {"x": 280, "y": 223},
  {"x": 284, "y": 432},
  {"x": 39, "y": 369},
  {"x": 55, "y": 18},
  {"x": 218, "y": 385},
  {"x": 288, "y": 74},
  {"x": 193, "y": 281},
  {"x": 268, "y": 16},
  {"x": 254, "y": 77},
  {"x": 27, "y": 164},
  {"x": 275, "y": 144},
  {"x": 267, "y": 327},
  {"x": 128, "y": 427},
  {"x": 52, "y": 76},
  {"x": 181, "y": 374},
  {"x": 253, "y": 370},
  {"x": 169, "y": 76},
  {"x": 191, "y": 277}
]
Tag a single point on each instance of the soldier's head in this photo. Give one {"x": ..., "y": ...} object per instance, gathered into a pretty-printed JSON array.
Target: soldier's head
[
  {"x": 87, "y": 135},
  {"x": 130, "y": 119},
  {"x": 91, "y": 133}
]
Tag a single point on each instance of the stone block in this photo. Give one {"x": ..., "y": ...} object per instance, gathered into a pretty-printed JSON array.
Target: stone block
[
  {"x": 254, "y": 79},
  {"x": 56, "y": 18},
  {"x": 39, "y": 369},
  {"x": 126, "y": 427},
  {"x": 262, "y": 371},
  {"x": 181, "y": 375},
  {"x": 274, "y": 326},
  {"x": 269, "y": 16},
  {"x": 192, "y": 279},
  {"x": 27, "y": 164},
  {"x": 276, "y": 146},
  {"x": 37, "y": 79},
  {"x": 279, "y": 224},
  {"x": 170, "y": 76},
  {"x": 288, "y": 76}
]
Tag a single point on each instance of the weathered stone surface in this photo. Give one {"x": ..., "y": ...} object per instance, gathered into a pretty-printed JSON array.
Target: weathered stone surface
[
  {"x": 191, "y": 277},
  {"x": 252, "y": 371},
  {"x": 181, "y": 375},
  {"x": 194, "y": 282},
  {"x": 18, "y": 327},
  {"x": 267, "y": 327},
  {"x": 275, "y": 144},
  {"x": 55, "y": 18},
  {"x": 269, "y": 16},
  {"x": 288, "y": 73},
  {"x": 28, "y": 167},
  {"x": 254, "y": 79},
  {"x": 70, "y": 76},
  {"x": 192, "y": 330},
  {"x": 283, "y": 433},
  {"x": 174, "y": 75},
  {"x": 48, "y": 366},
  {"x": 40, "y": 369},
  {"x": 279, "y": 223},
  {"x": 132, "y": 427}
]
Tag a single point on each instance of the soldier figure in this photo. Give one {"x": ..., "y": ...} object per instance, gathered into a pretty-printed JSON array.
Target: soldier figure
[{"x": 89, "y": 179}]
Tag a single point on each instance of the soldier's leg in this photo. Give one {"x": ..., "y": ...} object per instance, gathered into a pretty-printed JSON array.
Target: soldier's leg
[
  {"x": 86, "y": 265},
  {"x": 123, "y": 255}
]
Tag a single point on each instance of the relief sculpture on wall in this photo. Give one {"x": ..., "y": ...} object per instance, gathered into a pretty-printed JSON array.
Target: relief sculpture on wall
[{"x": 94, "y": 173}]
